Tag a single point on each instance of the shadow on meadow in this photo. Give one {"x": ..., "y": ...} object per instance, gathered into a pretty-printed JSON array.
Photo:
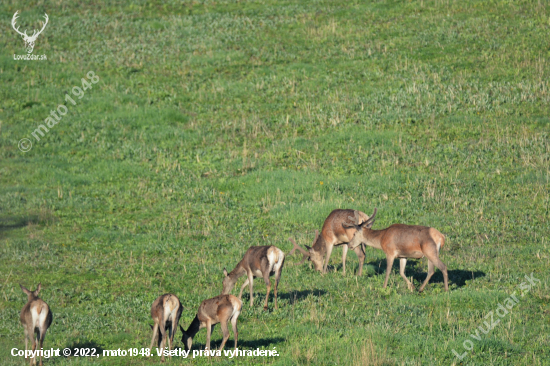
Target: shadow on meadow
[
  {"x": 10, "y": 223},
  {"x": 295, "y": 296},
  {"x": 262, "y": 343},
  {"x": 418, "y": 272},
  {"x": 82, "y": 345}
]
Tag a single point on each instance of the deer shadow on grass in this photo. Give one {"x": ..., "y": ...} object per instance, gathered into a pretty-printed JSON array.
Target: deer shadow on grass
[
  {"x": 82, "y": 346},
  {"x": 295, "y": 296},
  {"x": 11, "y": 223},
  {"x": 263, "y": 343},
  {"x": 418, "y": 270}
]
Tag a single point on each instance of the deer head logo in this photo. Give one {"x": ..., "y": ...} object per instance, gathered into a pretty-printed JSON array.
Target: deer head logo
[{"x": 29, "y": 40}]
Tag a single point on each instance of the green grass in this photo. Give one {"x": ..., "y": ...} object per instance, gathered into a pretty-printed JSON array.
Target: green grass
[{"x": 217, "y": 125}]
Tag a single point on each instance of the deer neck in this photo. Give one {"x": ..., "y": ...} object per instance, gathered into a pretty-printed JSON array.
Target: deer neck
[
  {"x": 193, "y": 327},
  {"x": 373, "y": 238},
  {"x": 237, "y": 272},
  {"x": 320, "y": 245}
]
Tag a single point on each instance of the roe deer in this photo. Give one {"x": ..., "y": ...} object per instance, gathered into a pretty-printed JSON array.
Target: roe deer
[
  {"x": 404, "y": 241},
  {"x": 263, "y": 261},
  {"x": 333, "y": 233},
  {"x": 166, "y": 311},
  {"x": 36, "y": 317},
  {"x": 219, "y": 309}
]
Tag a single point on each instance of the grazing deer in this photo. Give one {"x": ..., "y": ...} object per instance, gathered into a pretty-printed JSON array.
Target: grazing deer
[
  {"x": 219, "y": 309},
  {"x": 403, "y": 241},
  {"x": 333, "y": 233},
  {"x": 36, "y": 317},
  {"x": 261, "y": 261},
  {"x": 166, "y": 311}
]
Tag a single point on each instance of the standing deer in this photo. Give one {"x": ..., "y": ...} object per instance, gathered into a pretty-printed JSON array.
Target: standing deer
[
  {"x": 36, "y": 317},
  {"x": 333, "y": 233},
  {"x": 263, "y": 261},
  {"x": 166, "y": 311},
  {"x": 29, "y": 40},
  {"x": 219, "y": 309},
  {"x": 403, "y": 241}
]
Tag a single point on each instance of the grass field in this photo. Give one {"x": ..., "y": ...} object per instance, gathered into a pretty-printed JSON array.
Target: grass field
[{"x": 218, "y": 125}]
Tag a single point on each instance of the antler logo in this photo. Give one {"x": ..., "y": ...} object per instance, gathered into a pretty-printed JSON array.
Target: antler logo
[{"x": 29, "y": 40}]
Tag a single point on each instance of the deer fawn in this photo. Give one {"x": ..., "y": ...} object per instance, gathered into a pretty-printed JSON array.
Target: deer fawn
[
  {"x": 403, "y": 241},
  {"x": 258, "y": 261},
  {"x": 219, "y": 309},
  {"x": 333, "y": 233},
  {"x": 36, "y": 317},
  {"x": 166, "y": 312}
]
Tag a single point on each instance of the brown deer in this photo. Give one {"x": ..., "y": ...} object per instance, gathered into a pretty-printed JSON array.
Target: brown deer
[
  {"x": 219, "y": 309},
  {"x": 36, "y": 317},
  {"x": 333, "y": 233},
  {"x": 166, "y": 311},
  {"x": 263, "y": 261},
  {"x": 403, "y": 241}
]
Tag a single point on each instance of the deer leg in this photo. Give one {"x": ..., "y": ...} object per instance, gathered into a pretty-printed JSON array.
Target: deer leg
[
  {"x": 225, "y": 329},
  {"x": 251, "y": 284},
  {"x": 361, "y": 255},
  {"x": 433, "y": 255},
  {"x": 268, "y": 284},
  {"x": 345, "y": 248},
  {"x": 208, "y": 333},
  {"x": 329, "y": 252},
  {"x": 242, "y": 288},
  {"x": 26, "y": 340},
  {"x": 169, "y": 338},
  {"x": 34, "y": 342},
  {"x": 173, "y": 332},
  {"x": 42, "y": 336},
  {"x": 277, "y": 278},
  {"x": 428, "y": 276},
  {"x": 443, "y": 268},
  {"x": 155, "y": 331},
  {"x": 163, "y": 336},
  {"x": 402, "y": 264},
  {"x": 266, "y": 271},
  {"x": 389, "y": 261},
  {"x": 234, "y": 325}
]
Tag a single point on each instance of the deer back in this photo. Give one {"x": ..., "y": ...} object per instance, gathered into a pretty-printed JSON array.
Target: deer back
[
  {"x": 217, "y": 308},
  {"x": 334, "y": 230},
  {"x": 164, "y": 307},
  {"x": 252, "y": 260},
  {"x": 411, "y": 237},
  {"x": 36, "y": 312}
]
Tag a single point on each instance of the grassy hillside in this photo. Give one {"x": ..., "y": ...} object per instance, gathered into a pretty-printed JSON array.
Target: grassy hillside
[{"x": 217, "y": 125}]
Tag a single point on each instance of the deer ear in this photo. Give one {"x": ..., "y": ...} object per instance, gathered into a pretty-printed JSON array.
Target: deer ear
[
  {"x": 25, "y": 290},
  {"x": 308, "y": 247},
  {"x": 225, "y": 272},
  {"x": 38, "y": 289}
]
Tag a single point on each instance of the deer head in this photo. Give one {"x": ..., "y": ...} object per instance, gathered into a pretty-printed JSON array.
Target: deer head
[
  {"x": 311, "y": 255},
  {"x": 29, "y": 40},
  {"x": 228, "y": 283},
  {"x": 31, "y": 294},
  {"x": 186, "y": 339},
  {"x": 359, "y": 238}
]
